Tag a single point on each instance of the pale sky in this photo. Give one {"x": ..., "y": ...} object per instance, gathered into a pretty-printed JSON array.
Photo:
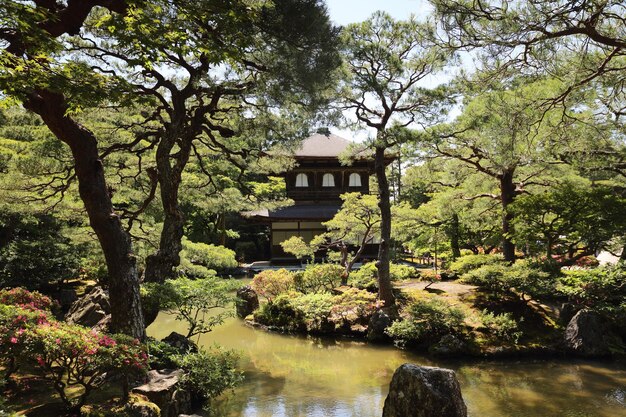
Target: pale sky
[{"x": 343, "y": 12}]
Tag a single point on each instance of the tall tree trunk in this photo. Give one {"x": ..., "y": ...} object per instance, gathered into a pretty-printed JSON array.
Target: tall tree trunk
[
  {"x": 384, "y": 280},
  {"x": 123, "y": 279},
  {"x": 507, "y": 195},
  {"x": 454, "y": 236},
  {"x": 160, "y": 265}
]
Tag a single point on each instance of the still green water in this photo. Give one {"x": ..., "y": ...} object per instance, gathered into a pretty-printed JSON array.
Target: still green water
[{"x": 298, "y": 376}]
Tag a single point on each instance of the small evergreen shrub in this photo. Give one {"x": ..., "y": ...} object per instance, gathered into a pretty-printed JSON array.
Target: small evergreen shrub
[
  {"x": 467, "y": 263},
  {"x": 365, "y": 278},
  {"x": 426, "y": 320},
  {"x": 315, "y": 309},
  {"x": 354, "y": 306},
  {"x": 601, "y": 289},
  {"x": 200, "y": 260},
  {"x": 503, "y": 326},
  {"x": 522, "y": 276},
  {"x": 281, "y": 313},
  {"x": 319, "y": 278},
  {"x": 208, "y": 373},
  {"x": 270, "y": 283}
]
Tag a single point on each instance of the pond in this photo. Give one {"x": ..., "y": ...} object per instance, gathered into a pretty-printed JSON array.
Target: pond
[{"x": 299, "y": 376}]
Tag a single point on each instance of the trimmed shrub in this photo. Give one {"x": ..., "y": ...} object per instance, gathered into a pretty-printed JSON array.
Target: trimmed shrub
[
  {"x": 522, "y": 276},
  {"x": 468, "y": 263},
  {"x": 201, "y": 260},
  {"x": 208, "y": 373},
  {"x": 426, "y": 320},
  {"x": 318, "y": 278},
  {"x": 503, "y": 326},
  {"x": 271, "y": 283},
  {"x": 365, "y": 278},
  {"x": 354, "y": 306},
  {"x": 315, "y": 310},
  {"x": 600, "y": 289},
  {"x": 400, "y": 272},
  {"x": 281, "y": 313}
]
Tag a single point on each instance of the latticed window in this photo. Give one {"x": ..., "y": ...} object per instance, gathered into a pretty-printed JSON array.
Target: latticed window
[
  {"x": 328, "y": 180},
  {"x": 302, "y": 180},
  {"x": 355, "y": 180}
]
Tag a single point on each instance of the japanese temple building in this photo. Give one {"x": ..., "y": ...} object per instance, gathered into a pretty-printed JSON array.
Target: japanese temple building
[{"x": 315, "y": 186}]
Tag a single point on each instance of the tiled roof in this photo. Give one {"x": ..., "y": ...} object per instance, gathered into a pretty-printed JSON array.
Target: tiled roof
[
  {"x": 323, "y": 146},
  {"x": 308, "y": 212}
]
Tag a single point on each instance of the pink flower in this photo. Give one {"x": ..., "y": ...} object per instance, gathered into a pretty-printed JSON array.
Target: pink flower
[
  {"x": 40, "y": 361},
  {"x": 14, "y": 340}
]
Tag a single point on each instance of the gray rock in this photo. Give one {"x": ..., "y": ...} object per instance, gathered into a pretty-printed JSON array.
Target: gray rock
[
  {"x": 66, "y": 297},
  {"x": 586, "y": 334},
  {"x": 163, "y": 390},
  {"x": 448, "y": 345},
  {"x": 422, "y": 391},
  {"x": 181, "y": 343},
  {"x": 90, "y": 310},
  {"x": 247, "y": 301},
  {"x": 377, "y": 325}
]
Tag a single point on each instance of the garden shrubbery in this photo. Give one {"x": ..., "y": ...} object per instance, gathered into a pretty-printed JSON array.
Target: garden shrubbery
[
  {"x": 499, "y": 279},
  {"x": 271, "y": 283},
  {"x": 426, "y": 320},
  {"x": 365, "y": 277},
  {"x": 503, "y": 326},
  {"x": 468, "y": 263},
  {"x": 208, "y": 373},
  {"x": 200, "y": 260},
  {"x": 64, "y": 354},
  {"x": 319, "y": 312},
  {"x": 600, "y": 289},
  {"x": 318, "y": 278}
]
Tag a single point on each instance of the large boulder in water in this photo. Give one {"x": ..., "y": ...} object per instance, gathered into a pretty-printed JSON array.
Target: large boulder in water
[
  {"x": 163, "y": 389},
  {"x": 423, "y": 391},
  {"x": 92, "y": 310},
  {"x": 586, "y": 334},
  {"x": 247, "y": 301}
]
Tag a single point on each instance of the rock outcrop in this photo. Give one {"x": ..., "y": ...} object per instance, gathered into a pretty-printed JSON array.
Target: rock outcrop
[
  {"x": 422, "y": 391},
  {"x": 377, "y": 325},
  {"x": 163, "y": 389},
  {"x": 586, "y": 335},
  {"x": 181, "y": 343},
  {"x": 247, "y": 301},
  {"x": 91, "y": 310},
  {"x": 448, "y": 345}
]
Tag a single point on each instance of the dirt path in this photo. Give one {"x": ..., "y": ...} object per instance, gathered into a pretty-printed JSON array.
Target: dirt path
[{"x": 450, "y": 287}]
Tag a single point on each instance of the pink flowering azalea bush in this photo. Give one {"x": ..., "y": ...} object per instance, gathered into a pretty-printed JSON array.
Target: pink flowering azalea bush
[
  {"x": 67, "y": 355},
  {"x": 31, "y": 300}
]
